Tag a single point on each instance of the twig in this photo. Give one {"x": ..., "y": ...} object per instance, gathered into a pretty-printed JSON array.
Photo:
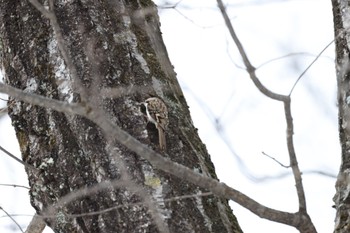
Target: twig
[
  {"x": 49, "y": 14},
  {"x": 322, "y": 173},
  {"x": 17, "y": 215},
  {"x": 9, "y": 215},
  {"x": 249, "y": 67},
  {"x": 281, "y": 164},
  {"x": 70, "y": 108},
  {"x": 286, "y": 56},
  {"x": 216, "y": 122},
  {"x": 302, "y": 74},
  {"x": 49, "y": 212},
  {"x": 15, "y": 186},
  {"x": 135, "y": 188},
  {"x": 17, "y": 159},
  {"x": 139, "y": 203},
  {"x": 94, "y": 189},
  {"x": 173, "y": 6},
  {"x": 3, "y": 111},
  {"x": 86, "y": 191}
]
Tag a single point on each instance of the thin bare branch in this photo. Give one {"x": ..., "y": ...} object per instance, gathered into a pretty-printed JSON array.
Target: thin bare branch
[
  {"x": 172, "y": 6},
  {"x": 302, "y": 74},
  {"x": 87, "y": 191},
  {"x": 3, "y": 111},
  {"x": 18, "y": 215},
  {"x": 49, "y": 14},
  {"x": 281, "y": 164},
  {"x": 15, "y": 186},
  {"x": 50, "y": 211},
  {"x": 70, "y": 108},
  {"x": 132, "y": 186},
  {"x": 322, "y": 173},
  {"x": 221, "y": 133},
  {"x": 286, "y": 56},
  {"x": 306, "y": 172},
  {"x": 152, "y": 206},
  {"x": 37, "y": 225},
  {"x": 179, "y": 198},
  {"x": 307, "y": 225},
  {"x": 13, "y": 220},
  {"x": 113, "y": 131},
  {"x": 79, "y": 87},
  {"x": 249, "y": 67},
  {"x": 293, "y": 158},
  {"x": 116, "y": 92},
  {"x": 93, "y": 189},
  {"x": 17, "y": 159}
]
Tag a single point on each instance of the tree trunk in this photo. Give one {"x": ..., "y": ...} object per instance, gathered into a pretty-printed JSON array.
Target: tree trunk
[
  {"x": 118, "y": 60},
  {"x": 341, "y": 12}
]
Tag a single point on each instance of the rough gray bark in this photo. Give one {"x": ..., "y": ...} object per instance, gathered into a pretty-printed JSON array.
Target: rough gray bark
[
  {"x": 341, "y": 15},
  {"x": 115, "y": 45}
]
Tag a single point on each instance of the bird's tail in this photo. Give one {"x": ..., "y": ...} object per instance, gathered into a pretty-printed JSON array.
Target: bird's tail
[{"x": 162, "y": 142}]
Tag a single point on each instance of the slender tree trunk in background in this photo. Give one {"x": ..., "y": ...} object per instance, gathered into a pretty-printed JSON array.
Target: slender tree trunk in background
[
  {"x": 113, "y": 44},
  {"x": 341, "y": 12}
]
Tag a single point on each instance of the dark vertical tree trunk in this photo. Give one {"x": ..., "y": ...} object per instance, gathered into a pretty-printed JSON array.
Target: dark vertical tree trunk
[
  {"x": 120, "y": 60},
  {"x": 341, "y": 11}
]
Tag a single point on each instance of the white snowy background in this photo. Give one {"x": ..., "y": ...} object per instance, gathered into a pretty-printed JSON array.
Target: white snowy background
[{"x": 234, "y": 119}]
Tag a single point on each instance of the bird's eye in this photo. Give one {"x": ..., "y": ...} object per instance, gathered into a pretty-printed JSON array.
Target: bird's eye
[{"x": 143, "y": 109}]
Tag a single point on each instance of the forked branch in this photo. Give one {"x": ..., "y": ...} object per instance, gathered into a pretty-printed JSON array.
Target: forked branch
[{"x": 288, "y": 116}]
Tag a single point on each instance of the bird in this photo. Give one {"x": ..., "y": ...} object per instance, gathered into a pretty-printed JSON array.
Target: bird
[{"x": 156, "y": 112}]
